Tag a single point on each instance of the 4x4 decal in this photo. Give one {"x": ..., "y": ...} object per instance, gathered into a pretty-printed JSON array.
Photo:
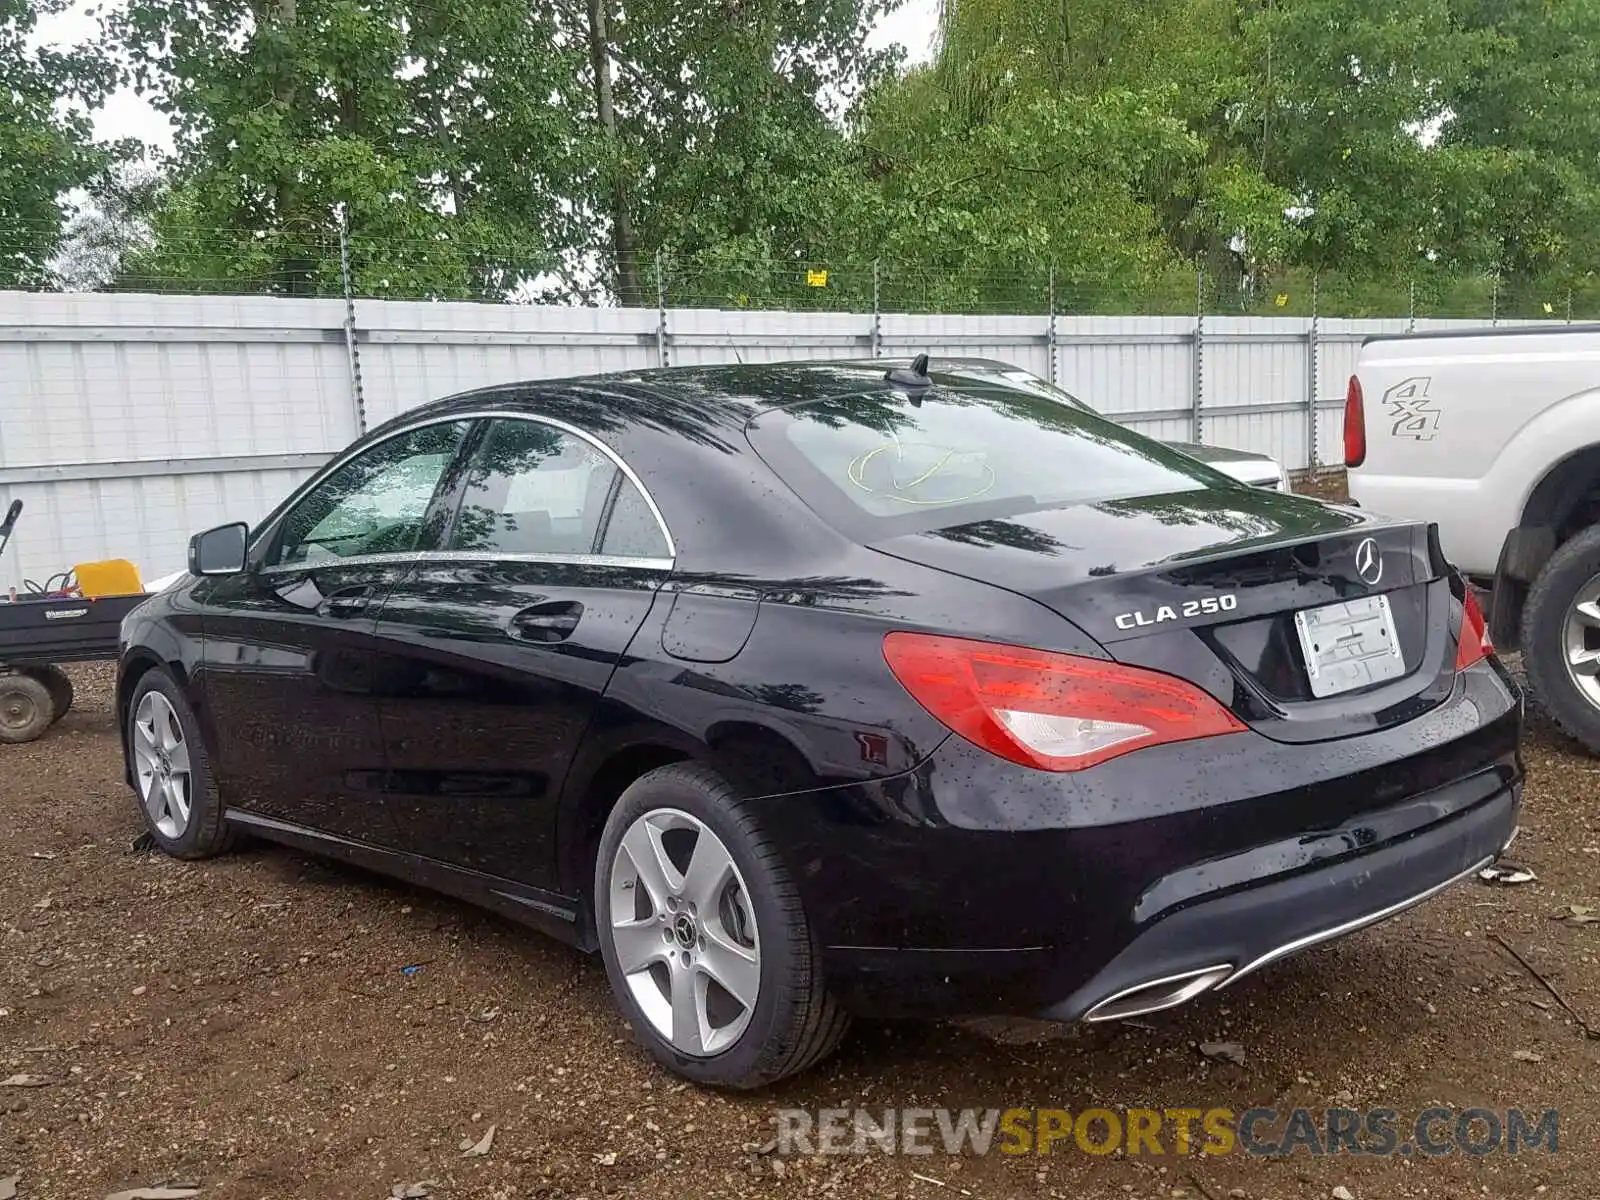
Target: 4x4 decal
[{"x": 1415, "y": 416}]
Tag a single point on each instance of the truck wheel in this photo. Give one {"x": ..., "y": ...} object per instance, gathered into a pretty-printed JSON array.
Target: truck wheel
[
  {"x": 26, "y": 708},
  {"x": 1561, "y": 638},
  {"x": 60, "y": 687}
]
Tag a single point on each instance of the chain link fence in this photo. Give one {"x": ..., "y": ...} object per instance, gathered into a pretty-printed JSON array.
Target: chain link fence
[
  {"x": 147, "y": 354},
  {"x": 99, "y": 254}
]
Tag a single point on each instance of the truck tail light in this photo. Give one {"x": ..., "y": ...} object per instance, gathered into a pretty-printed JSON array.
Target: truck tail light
[
  {"x": 1475, "y": 644},
  {"x": 1355, "y": 425},
  {"x": 1051, "y": 711}
]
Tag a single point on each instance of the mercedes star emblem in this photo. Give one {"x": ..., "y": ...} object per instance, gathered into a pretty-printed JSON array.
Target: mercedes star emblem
[{"x": 1369, "y": 563}]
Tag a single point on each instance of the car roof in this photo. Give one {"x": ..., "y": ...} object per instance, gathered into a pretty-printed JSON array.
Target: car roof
[
  {"x": 710, "y": 404},
  {"x": 713, "y": 395},
  {"x": 681, "y": 429}
]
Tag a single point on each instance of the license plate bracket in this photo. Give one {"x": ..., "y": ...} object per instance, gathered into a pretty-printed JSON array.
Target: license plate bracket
[{"x": 1348, "y": 645}]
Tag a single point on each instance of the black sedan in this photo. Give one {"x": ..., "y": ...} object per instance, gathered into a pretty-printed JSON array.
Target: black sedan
[{"x": 807, "y": 690}]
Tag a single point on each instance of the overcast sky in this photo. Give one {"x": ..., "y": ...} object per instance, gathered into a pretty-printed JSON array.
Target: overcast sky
[{"x": 127, "y": 115}]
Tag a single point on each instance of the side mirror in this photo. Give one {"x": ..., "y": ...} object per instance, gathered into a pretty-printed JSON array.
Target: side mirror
[
  {"x": 10, "y": 522},
  {"x": 219, "y": 551}
]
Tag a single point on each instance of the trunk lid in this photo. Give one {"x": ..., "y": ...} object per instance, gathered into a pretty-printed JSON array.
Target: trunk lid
[{"x": 1206, "y": 585}]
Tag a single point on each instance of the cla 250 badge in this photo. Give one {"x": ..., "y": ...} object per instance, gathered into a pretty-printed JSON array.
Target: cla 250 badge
[{"x": 1210, "y": 606}]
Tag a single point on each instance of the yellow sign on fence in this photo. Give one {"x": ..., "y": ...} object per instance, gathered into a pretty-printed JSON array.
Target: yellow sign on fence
[{"x": 816, "y": 279}]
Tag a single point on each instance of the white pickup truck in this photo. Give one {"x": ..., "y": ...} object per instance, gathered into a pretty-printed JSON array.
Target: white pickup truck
[{"x": 1494, "y": 434}]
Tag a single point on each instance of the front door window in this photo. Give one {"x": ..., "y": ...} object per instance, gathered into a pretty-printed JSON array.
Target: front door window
[{"x": 373, "y": 504}]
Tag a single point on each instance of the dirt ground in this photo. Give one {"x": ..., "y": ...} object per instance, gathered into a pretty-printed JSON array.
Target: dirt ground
[{"x": 246, "y": 1026}]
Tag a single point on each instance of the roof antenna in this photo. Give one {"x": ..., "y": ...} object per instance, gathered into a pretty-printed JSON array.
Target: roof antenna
[{"x": 916, "y": 377}]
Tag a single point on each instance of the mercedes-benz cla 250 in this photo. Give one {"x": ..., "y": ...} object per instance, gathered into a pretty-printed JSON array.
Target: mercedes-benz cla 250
[{"x": 806, "y": 690}]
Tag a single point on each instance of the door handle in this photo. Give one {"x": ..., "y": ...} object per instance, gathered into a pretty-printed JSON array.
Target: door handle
[
  {"x": 553, "y": 622},
  {"x": 349, "y": 602}
]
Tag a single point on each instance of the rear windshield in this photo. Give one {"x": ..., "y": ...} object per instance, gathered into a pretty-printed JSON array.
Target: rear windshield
[{"x": 879, "y": 464}]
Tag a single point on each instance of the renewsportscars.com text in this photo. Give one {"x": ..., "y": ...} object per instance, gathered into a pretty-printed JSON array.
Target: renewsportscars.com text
[{"x": 1176, "y": 1131}]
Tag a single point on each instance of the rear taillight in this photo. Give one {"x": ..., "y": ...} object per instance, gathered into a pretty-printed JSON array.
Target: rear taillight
[
  {"x": 1355, "y": 425},
  {"x": 1475, "y": 645},
  {"x": 1056, "y": 712}
]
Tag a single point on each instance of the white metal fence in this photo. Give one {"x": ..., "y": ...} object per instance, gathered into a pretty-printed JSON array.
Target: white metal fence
[{"x": 128, "y": 422}]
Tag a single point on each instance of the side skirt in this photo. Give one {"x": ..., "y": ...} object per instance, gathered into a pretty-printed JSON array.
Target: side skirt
[{"x": 548, "y": 912}]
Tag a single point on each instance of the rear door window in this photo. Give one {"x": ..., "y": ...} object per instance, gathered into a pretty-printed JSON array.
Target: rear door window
[
  {"x": 886, "y": 462},
  {"x": 531, "y": 488}
]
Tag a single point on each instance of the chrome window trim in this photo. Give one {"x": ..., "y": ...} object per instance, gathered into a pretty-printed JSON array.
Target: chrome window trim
[
  {"x": 568, "y": 560},
  {"x": 355, "y": 560},
  {"x": 416, "y": 558},
  {"x": 353, "y": 452}
]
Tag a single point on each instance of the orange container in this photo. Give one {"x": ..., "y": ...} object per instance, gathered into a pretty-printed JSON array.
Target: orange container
[{"x": 113, "y": 577}]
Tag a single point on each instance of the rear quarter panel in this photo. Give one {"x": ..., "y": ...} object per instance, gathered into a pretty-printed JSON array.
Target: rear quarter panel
[
  {"x": 809, "y": 700},
  {"x": 808, "y": 703}
]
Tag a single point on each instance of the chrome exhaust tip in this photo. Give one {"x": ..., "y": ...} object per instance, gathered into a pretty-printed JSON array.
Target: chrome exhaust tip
[{"x": 1158, "y": 994}]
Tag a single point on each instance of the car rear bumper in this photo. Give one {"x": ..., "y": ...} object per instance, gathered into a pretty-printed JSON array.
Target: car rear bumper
[
  {"x": 978, "y": 897},
  {"x": 1217, "y": 943},
  {"x": 1205, "y": 946}
]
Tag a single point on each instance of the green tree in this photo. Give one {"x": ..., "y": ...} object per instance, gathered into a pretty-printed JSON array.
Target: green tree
[
  {"x": 112, "y": 229},
  {"x": 1113, "y": 144},
  {"x": 974, "y": 213},
  {"x": 46, "y": 148},
  {"x": 1083, "y": 135},
  {"x": 717, "y": 133},
  {"x": 1530, "y": 110},
  {"x": 1266, "y": 140},
  {"x": 444, "y": 132},
  {"x": 1348, "y": 99}
]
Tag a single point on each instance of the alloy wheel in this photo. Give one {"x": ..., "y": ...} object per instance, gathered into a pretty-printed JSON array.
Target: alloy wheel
[
  {"x": 161, "y": 759},
  {"x": 1581, "y": 641},
  {"x": 684, "y": 932}
]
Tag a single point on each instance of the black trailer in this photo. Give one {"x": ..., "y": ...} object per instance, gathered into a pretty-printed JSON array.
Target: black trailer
[
  {"x": 36, "y": 635},
  {"x": 38, "y": 632}
]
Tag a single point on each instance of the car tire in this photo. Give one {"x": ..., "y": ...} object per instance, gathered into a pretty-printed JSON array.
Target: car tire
[
  {"x": 60, "y": 685},
  {"x": 172, "y": 781},
  {"x": 26, "y": 707},
  {"x": 1551, "y": 616},
  {"x": 712, "y": 922}
]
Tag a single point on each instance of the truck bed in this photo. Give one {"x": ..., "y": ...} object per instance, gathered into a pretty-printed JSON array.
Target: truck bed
[
  {"x": 1462, "y": 426},
  {"x": 67, "y": 630}
]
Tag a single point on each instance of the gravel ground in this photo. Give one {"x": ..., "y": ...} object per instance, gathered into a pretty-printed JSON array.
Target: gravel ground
[{"x": 245, "y": 1026}]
